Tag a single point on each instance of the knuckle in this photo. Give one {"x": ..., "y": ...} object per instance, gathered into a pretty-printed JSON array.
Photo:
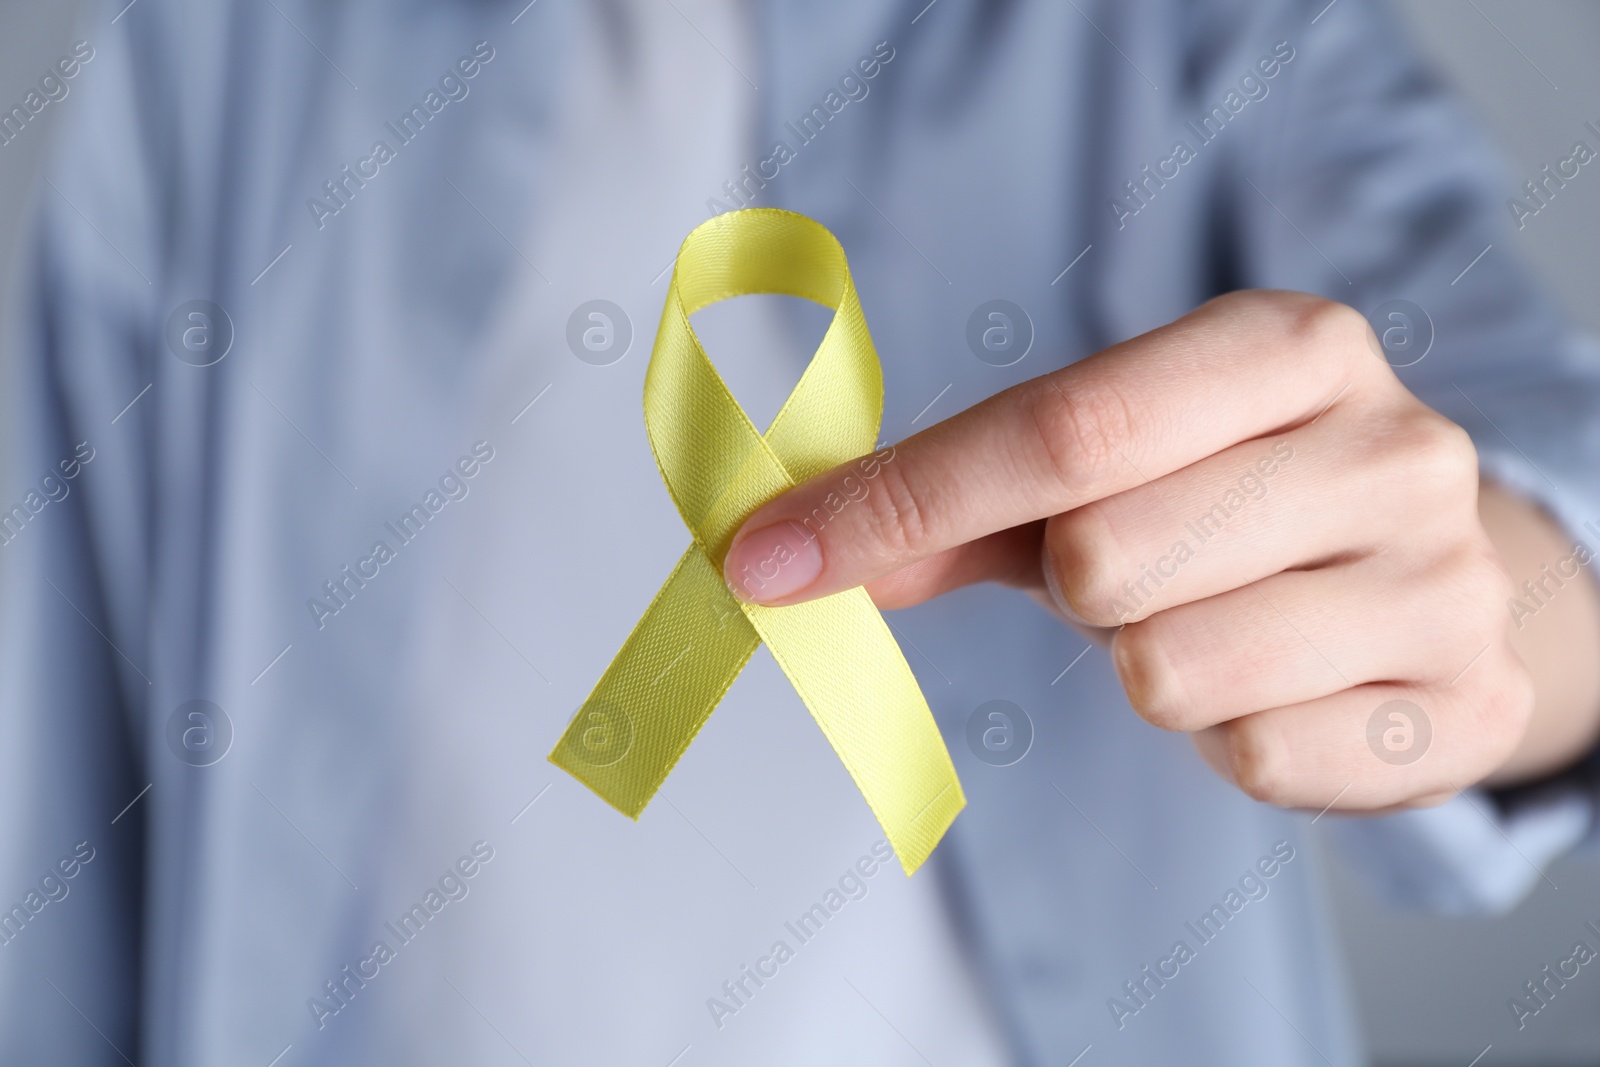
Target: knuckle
[
  {"x": 1320, "y": 329},
  {"x": 1331, "y": 343},
  {"x": 1476, "y": 589},
  {"x": 898, "y": 513},
  {"x": 1082, "y": 431},
  {"x": 1084, "y": 563},
  {"x": 1494, "y": 705},
  {"x": 1443, "y": 456},
  {"x": 1153, "y": 687},
  {"x": 1504, "y": 700}
]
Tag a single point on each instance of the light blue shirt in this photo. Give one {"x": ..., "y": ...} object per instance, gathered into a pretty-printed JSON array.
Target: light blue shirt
[{"x": 391, "y": 517}]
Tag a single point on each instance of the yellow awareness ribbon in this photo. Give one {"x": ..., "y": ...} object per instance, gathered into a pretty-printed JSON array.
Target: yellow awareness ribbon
[{"x": 696, "y": 636}]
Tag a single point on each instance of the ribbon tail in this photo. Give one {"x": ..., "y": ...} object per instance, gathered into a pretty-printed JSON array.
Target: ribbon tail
[
  {"x": 660, "y": 689},
  {"x": 843, "y": 661}
]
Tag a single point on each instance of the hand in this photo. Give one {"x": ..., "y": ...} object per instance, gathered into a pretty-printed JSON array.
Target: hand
[{"x": 1287, "y": 540}]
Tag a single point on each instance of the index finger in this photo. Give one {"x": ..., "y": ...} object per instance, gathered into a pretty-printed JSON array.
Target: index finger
[{"x": 1236, "y": 368}]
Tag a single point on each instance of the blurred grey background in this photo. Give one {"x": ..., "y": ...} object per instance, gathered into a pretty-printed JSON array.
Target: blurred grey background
[{"x": 1433, "y": 991}]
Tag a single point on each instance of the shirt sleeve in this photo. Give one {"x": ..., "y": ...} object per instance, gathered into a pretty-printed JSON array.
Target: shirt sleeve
[
  {"x": 1370, "y": 184},
  {"x": 75, "y": 681}
]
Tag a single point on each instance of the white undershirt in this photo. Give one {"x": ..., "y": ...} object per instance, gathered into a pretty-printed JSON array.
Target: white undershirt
[{"x": 654, "y": 119}]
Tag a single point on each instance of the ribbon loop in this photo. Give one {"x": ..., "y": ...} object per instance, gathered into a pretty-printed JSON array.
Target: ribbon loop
[{"x": 696, "y": 636}]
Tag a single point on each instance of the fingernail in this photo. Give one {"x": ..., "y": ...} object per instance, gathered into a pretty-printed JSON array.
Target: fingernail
[{"x": 772, "y": 563}]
